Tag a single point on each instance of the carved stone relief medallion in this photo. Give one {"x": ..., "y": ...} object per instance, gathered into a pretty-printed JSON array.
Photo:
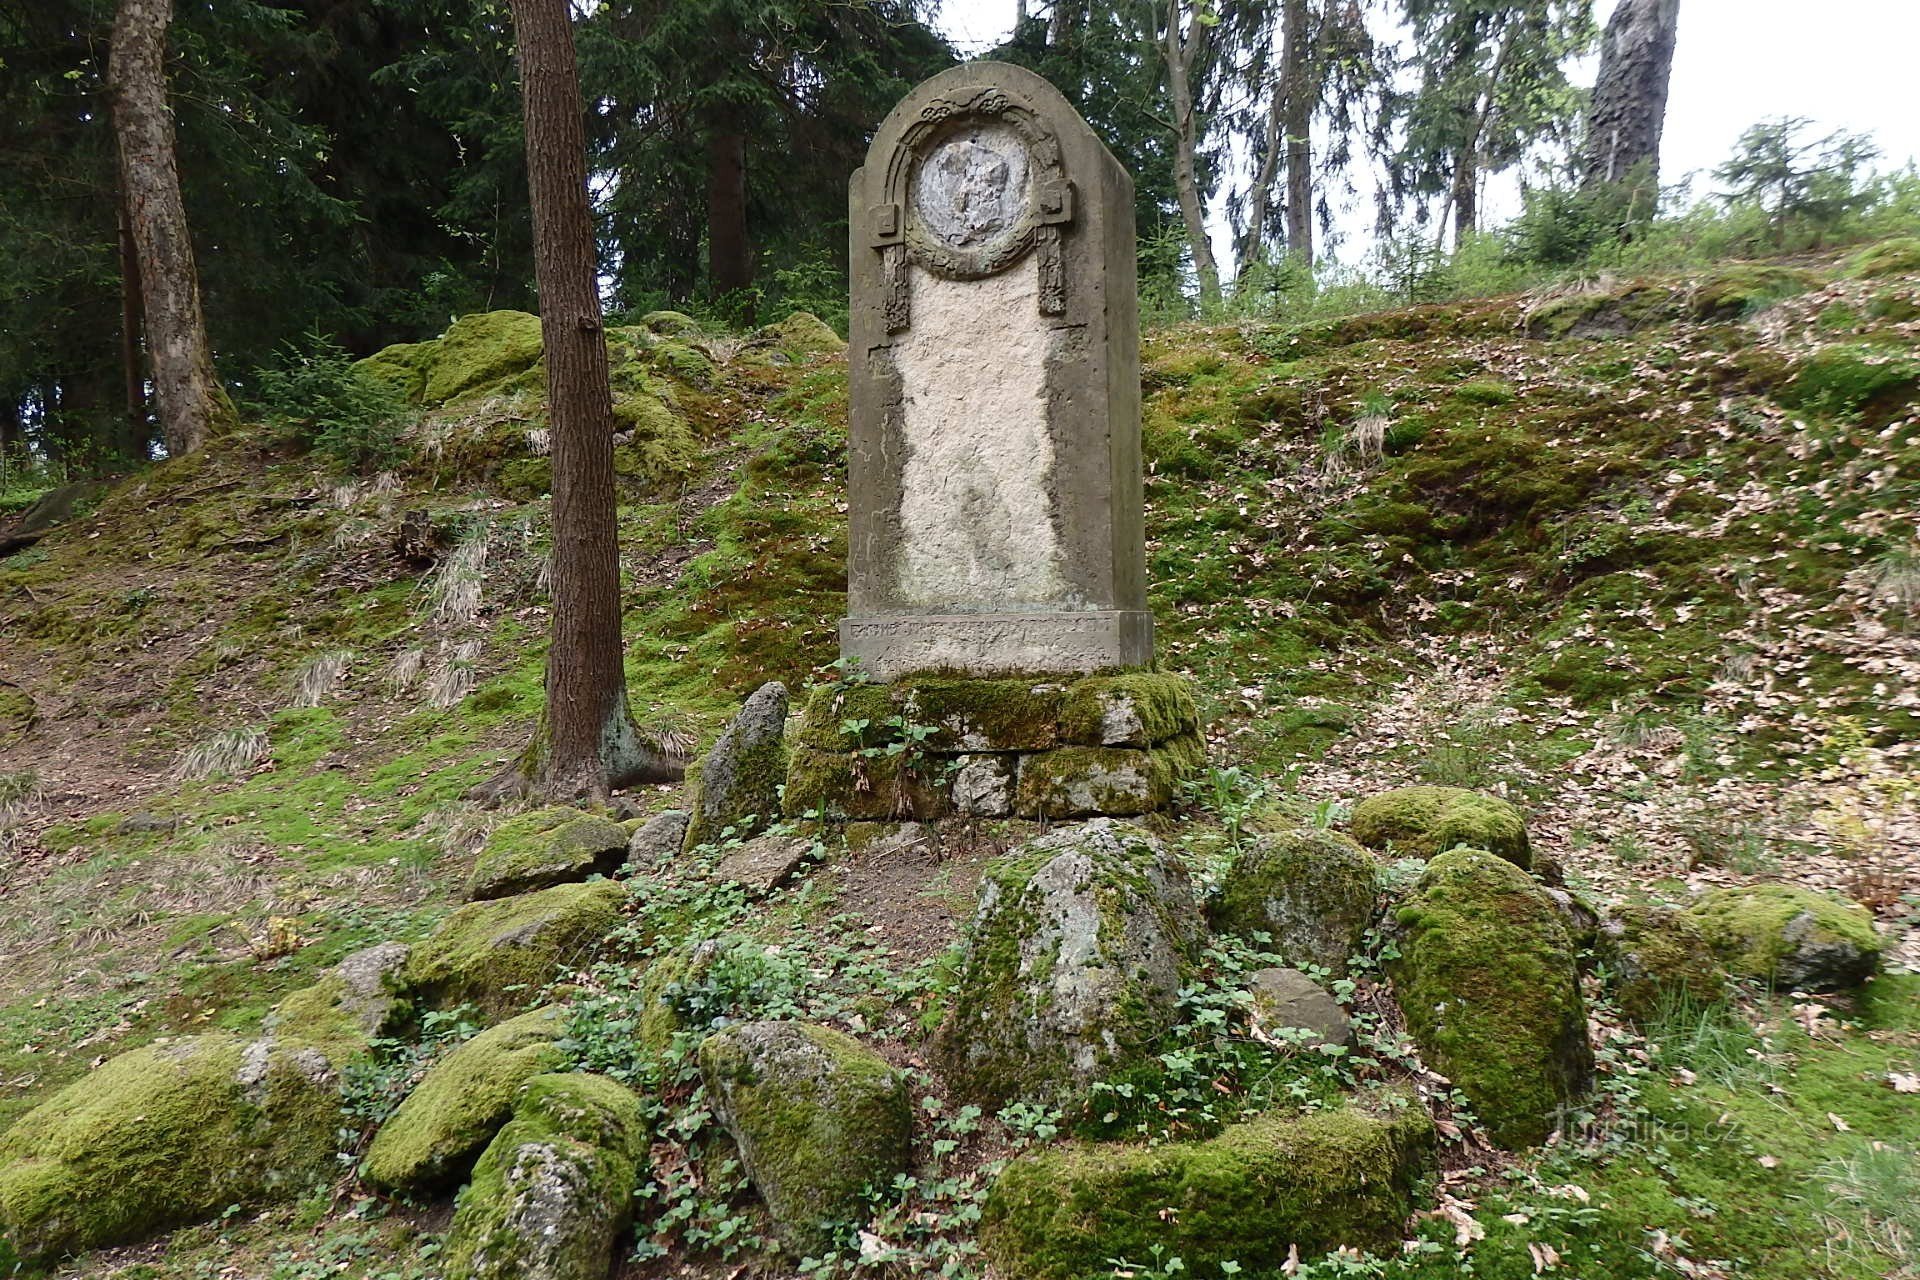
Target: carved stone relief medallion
[{"x": 972, "y": 189}]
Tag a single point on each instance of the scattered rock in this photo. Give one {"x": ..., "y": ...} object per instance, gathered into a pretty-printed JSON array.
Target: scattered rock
[
  {"x": 140, "y": 824},
  {"x": 1073, "y": 962},
  {"x": 1288, "y": 1000},
  {"x": 497, "y": 955},
  {"x": 1312, "y": 891},
  {"x": 1657, "y": 954},
  {"x": 739, "y": 786},
  {"x": 1255, "y": 1195},
  {"x": 554, "y": 1189},
  {"x": 1790, "y": 936},
  {"x": 546, "y": 847},
  {"x": 1489, "y": 983},
  {"x": 453, "y": 1113},
  {"x": 659, "y": 840},
  {"x": 174, "y": 1133},
  {"x": 764, "y": 863},
  {"x": 818, "y": 1119},
  {"x": 1577, "y": 914},
  {"x": 1422, "y": 822}
]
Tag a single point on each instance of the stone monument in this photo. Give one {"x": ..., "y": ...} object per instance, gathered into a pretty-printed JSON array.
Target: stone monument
[{"x": 997, "y": 551}]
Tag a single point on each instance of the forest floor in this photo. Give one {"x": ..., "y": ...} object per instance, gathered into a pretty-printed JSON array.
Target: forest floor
[{"x": 1641, "y": 556}]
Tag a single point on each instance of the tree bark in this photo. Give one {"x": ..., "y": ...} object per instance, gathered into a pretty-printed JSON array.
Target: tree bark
[
  {"x": 192, "y": 404},
  {"x": 132, "y": 323},
  {"x": 1253, "y": 239},
  {"x": 1181, "y": 48},
  {"x": 1296, "y": 91},
  {"x": 1629, "y": 108},
  {"x": 588, "y": 742},
  {"x": 729, "y": 257}
]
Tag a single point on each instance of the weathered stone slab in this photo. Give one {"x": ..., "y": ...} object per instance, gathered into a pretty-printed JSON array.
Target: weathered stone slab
[{"x": 994, "y": 484}]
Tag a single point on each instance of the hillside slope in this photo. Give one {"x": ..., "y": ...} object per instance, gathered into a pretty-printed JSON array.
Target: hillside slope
[{"x": 1641, "y": 555}]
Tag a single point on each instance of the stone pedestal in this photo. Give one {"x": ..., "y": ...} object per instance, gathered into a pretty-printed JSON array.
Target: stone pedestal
[{"x": 937, "y": 746}]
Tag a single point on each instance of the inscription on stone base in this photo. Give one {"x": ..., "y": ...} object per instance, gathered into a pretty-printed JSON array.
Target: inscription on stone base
[{"x": 892, "y": 645}]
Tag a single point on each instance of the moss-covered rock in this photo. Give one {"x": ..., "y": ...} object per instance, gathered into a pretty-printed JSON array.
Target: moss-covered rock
[
  {"x": 554, "y": 1189},
  {"x": 1073, "y": 782},
  {"x": 819, "y": 1119},
  {"x": 671, "y": 324},
  {"x": 176, "y": 1132},
  {"x": 1420, "y": 822},
  {"x": 1135, "y": 709},
  {"x": 1489, "y": 983},
  {"x": 801, "y": 335},
  {"x": 855, "y": 787},
  {"x": 1737, "y": 290},
  {"x": 1871, "y": 383},
  {"x": 404, "y": 367},
  {"x": 497, "y": 955},
  {"x": 1897, "y": 257},
  {"x": 1790, "y": 936},
  {"x": 1311, "y": 891},
  {"x": 480, "y": 350},
  {"x": 657, "y": 447},
  {"x": 740, "y": 780},
  {"x": 1252, "y": 1195},
  {"x": 543, "y": 848},
  {"x": 453, "y": 1113},
  {"x": 1657, "y": 955},
  {"x": 1073, "y": 962},
  {"x": 1603, "y": 312}
]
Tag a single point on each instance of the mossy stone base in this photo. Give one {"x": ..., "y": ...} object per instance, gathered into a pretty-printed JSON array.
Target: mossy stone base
[
  {"x": 453, "y": 1113},
  {"x": 1657, "y": 955},
  {"x": 1422, "y": 822},
  {"x": 554, "y": 1189},
  {"x": 1790, "y": 936},
  {"x": 1489, "y": 982},
  {"x": 928, "y": 746},
  {"x": 544, "y": 848},
  {"x": 737, "y": 792},
  {"x": 497, "y": 955},
  {"x": 819, "y": 1119},
  {"x": 1250, "y": 1196}
]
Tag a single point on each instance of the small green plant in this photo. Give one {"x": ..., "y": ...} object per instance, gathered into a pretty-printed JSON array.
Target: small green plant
[
  {"x": 313, "y": 392},
  {"x": 1231, "y": 794}
]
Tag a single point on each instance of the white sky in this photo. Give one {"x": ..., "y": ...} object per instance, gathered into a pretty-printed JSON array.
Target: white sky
[{"x": 1845, "y": 64}]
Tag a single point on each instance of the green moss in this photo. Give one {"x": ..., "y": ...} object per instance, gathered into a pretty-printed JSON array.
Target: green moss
[
  {"x": 1310, "y": 891},
  {"x": 1604, "y": 313},
  {"x": 801, "y": 335},
  {"x": 1869, "y": 383},
  {"x": 671, "y": 324},
  {"x": 523, "y": 479},
  {"x": 1118, "y": 781},
  {"x": 1896, "y": 257},
  {"x": 1420, "y": 822},
  {"x": 1738, "y": 290},
  {"x": 554, "y": 1189},
  {"x": 881, "y": 788},
  {"x": 458, "y": 1106},
  {"x": 405, "y": 367},
  {"x": 1895, "y": 305},
  {"x": 1488, "y": 982},
  {"x": 846, "y": 717},
  {"x": 1788, "y": 934},
  {"x": 497, "y": 955},
  {"x": 981, "y": 715},
  {"x": 543, "y": 848},
  {"x": 164, "y": 1136},
  {"x": 1136, "y": 709},
  {"x": 1657, "y": 957},
  {"x": 820, "y": 1120},
  {"x": 1072, "y": 963},
  {"x": 662, "y": 451},
  {"x": 480, "y": 350},
  {"x": 1485, "y": 394},
  {"x": 1249, "y": 1196}
]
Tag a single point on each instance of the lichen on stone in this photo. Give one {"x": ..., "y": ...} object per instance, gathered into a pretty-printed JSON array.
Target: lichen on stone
[
  {"x": 1790, "y": 936},
  {"x": 1311, "y": 891},
  {"x": 1656, "y": 956},
  {"x": 555, "y": 1188},
  {"x": 819, "y": 1120},
  {"x": 543, "y": 848},
  {"x": 1133, "y": 709},
  {"x": 1490, "y": 985},
  {"x": 1073, "y": 962},
  {"x": 738, "y": 790},
  {"x": 1421, "y": 822},
  {"x": 497, "y": 955},
  {"x": 1072, "y": 782}
]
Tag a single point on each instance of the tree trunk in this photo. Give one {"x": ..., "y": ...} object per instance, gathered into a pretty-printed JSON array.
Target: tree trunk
[
  {"x": 11, "y": 432},
  {"x": 1181, "y": 54},
  {"x": 729, "y": 258},
  {"x": 1464, "y": 197},
  {"x": 132, "y": 322},
  {"x": 1629, "y": 107},
  {"x": 193, "y": 406},
  {"x": 1253, "y": 240},
  {"x": 588, "y": 742},
  {"x": 1296, "y": 90}
]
